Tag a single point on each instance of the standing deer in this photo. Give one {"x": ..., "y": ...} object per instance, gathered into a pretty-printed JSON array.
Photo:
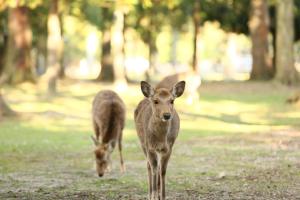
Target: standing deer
[
  {"x": 157, "y": 124},
  {"x": 108, "y": 121}
]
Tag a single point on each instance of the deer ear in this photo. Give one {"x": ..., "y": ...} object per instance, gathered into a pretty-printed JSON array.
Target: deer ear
[
  {"x": 146, "y": 88},
  {"x": 178, "y": 89},
  {"x": 96, "y": 142}
]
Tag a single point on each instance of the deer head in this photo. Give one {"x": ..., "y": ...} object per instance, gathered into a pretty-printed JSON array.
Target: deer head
[
  {"x": 162, "y": 99},
  {"x": 102, "y": 156}
]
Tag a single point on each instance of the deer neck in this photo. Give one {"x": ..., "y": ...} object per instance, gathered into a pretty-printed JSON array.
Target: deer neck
[{"x": 159, "y": 128}]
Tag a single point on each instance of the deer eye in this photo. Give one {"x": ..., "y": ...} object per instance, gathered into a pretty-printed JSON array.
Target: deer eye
[
  {"x": 155, "y": 101},
  {"x": 172, "y": 101}
]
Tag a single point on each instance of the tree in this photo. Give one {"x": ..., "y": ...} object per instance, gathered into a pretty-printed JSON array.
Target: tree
[
  {"x": 5, "y": 110},
  {"x": 118, "y": 46},
  {"x": 100, "y": 14},
  {"x": 3, "y": 37},
  {"x": 196, "y": 22},
  {"x": 18, "y": 66},
  {"x": 107, "y": 70},
  {"x": 54, "y": 47},
  {"x": 286, "y": 72},
  {"x": 15, "y": 44},
  {"x": 149, "y": 17},
  {"x": 259, "y": 29}
]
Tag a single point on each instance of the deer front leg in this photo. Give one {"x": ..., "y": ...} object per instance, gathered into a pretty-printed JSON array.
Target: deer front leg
[
  {"x": 162, "y": 174},
  {"x": 154, "y": 175},
  {"x": 149, "y": 180}
]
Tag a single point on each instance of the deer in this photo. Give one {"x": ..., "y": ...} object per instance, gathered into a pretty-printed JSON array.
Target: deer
[
  {"x": 157, "y": 124},
  {"x": 108, "y": 116}
]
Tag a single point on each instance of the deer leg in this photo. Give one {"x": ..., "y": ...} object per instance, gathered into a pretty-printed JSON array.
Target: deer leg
[
  {"x": 158, "y": 181},
  {"x": 162, "y": 174},
  {"x": 121, "y": 155},
  {"x": 153, "y": 164},
  {"x": 149, "y": 180}
]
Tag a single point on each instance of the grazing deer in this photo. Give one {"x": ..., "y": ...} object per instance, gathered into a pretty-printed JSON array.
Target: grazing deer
[
  {"x": 108, "y": 121},
  {"x": 157, "y": 124}
]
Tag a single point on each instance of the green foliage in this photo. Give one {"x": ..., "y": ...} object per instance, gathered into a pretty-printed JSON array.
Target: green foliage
[
  {"x": 148, "y": 19},
  {"x": 98, "y": 13},
  {"x": 233, "y": 15},
  {"x": 38, "y": 20}
]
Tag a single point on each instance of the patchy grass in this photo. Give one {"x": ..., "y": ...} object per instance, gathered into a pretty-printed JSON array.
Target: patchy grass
[{"x": 240, "y": 141}]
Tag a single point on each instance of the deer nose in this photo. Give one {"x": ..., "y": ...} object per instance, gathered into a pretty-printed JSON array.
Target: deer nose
[
  {"x": 167, "y": 116},
  {"x": 100, "y": 175}
]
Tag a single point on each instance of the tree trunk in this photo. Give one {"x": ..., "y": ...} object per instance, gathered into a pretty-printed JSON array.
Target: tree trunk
[
  {"x": 286, "y": 71},
  {"x": 117, "y": 48},
  {"x": 274, "y": 51},
  {"x": 107, "y": 72},
  {"x": 259, "y": 28},
  {"x": 196, "y": 22},
  {"x": 18, "y": 66},
  {"x": 3, "y": 46},
  {"x": 5, "y": 110},
  {"x": 61, "y": 73},
  {"x": 54, "y": 47},
  {"x": 173, "y": 53},
  {"x": 152, "y": 55}
]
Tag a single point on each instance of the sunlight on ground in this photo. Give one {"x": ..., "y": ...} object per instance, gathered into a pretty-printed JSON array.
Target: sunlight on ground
[{"x": 240, "y": 113}]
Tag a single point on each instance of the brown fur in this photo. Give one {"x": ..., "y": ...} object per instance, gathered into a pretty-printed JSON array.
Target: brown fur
[
  {"x": 156, "y": 134},
  {"x": 108, "y": 121}
]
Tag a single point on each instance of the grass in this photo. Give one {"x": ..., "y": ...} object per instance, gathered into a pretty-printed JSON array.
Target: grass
[{"x": 240, "y": 141}]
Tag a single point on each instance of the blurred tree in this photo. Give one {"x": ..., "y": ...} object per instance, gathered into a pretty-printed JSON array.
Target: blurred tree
[
  {"x": 107, "y": 71},
  {"x": 38, "y": 19},
  {"x": 297, "y": 20},
  {"x": 3, "y": 36},
  {"x": 286, "y": 71},
  {"x": 272, "y": 13},
  {"x": 196, "y": 22},
  {"x": 5, "y": 110},
  {"x": 101, "y": 14},
  {"x": 148, "y": 18},
  {"x": 262, "y": 68},
  {"x": 54, "y": 46},
  {"x": 15, "y": 44},
  {"x": 118, "y": 45},
  {"x": 109, "y": 17},
  {"x": 18, "y": 66},
  {"x": 237, "y": 17}
]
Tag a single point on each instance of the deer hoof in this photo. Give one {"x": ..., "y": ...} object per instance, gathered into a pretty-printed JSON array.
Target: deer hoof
[{"x": 123, "y": 168}]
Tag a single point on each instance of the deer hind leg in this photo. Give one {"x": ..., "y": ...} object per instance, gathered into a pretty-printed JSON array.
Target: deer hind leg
[{"x": 123, "y": 169}]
